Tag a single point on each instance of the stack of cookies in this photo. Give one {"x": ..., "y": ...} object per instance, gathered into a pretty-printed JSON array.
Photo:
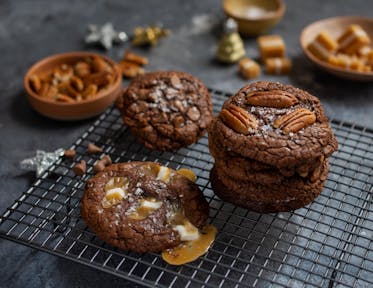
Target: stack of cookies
[{"x": 271, "y": 144}]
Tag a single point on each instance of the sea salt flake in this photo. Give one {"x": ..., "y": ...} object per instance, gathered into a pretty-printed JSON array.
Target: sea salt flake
[{"x": 138, "y": 191}]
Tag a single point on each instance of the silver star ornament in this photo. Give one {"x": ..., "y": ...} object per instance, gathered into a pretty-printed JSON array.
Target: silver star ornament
[
  {"x": 105, "y": 35},
  {"x": 41, "y": 161}
]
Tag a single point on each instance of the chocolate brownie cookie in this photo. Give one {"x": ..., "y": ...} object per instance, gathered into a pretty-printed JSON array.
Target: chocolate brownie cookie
[
  {"x": 143, "y": 206},
  {"x": 292, "y": 193},
  {"x": 275, "y": 124},
  {"x": 239, "y": 167},
  {"x": 271, "y": 144},
  {"x": 166, "y": 110}
]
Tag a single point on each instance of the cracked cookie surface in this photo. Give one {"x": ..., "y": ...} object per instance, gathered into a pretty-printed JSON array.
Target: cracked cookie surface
[
  {"x": 166, "y": 110},
  {"x": 302, "y": 136},
  {"x": 289, "y": 194}
]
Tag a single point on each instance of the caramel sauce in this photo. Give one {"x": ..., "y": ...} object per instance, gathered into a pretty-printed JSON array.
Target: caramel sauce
[
  {"x": 112, "y": 199},
  {"x": 116, "y": 182},
  {"x": 142, "y": 212},
  {"x": 189, "y": 251}
]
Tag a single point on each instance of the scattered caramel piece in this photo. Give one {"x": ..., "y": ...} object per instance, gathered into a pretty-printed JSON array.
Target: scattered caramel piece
[
  {"x": 130, "y": 69},
  {"x": 93, "y": 149},
  {"x": 322, "y": 46},
  {"x": 69, "y": 153},
  {"x": 132, "y": 57},
  {"x": 249, "y": 69},
  {"x": 80, "y": 168},
  {"x": 35, "y": 83},
  {"x": 271, "y": 46},
  {"x": 353, "y": 39},
  {"x": 278, "y": 66}
]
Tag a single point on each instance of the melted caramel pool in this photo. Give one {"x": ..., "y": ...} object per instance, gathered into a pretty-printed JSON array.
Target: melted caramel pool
[{"x": 189, "y": 251}]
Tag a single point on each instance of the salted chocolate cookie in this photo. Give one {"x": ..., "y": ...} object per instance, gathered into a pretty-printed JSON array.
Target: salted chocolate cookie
[
  {"x": 143, "y": 206},
  {"x": 166, "y": 110},
  {"x": 292, "y": 193},
  {"x": 275, "y": 124},
  {"x": 243, "y": 168}
]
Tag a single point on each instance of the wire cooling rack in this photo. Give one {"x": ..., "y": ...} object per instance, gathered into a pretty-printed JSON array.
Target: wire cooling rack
[{"x": 325, "y": 244}]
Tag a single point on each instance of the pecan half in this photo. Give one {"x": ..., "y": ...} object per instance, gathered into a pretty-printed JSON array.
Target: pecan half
[
  {"x": 295, "y": 121},
  {"x": 239, "y": 119},
  {"x": 273, "y": 98}
]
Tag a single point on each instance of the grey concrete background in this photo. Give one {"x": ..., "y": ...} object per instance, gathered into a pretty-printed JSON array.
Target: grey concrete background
[{"x": 31, "y": 30}]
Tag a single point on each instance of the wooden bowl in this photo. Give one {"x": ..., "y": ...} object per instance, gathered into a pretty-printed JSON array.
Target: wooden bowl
[
  {"x": 251, "y": 23},
  {"x": 71, "y": 111},
  {"x": 335, "y": 27}
]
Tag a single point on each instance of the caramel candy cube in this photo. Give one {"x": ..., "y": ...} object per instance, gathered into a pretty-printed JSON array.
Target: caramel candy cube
[
  {"x": 278, "y": 66},
  {"x": 322, "y": 46},
  {"x": 347, "y": 62},
  {"x": 367, "y": 68},
  {"x": 271, "y": 46},
  {"x": 364, "y": 51},
  {"x": 369, "y": 58},
  {"x": 353, "y": 39},
  {"x": 340, "y": 60},
  {"x": 249, "y": 69},
  {"x": 357, "y": 64}
]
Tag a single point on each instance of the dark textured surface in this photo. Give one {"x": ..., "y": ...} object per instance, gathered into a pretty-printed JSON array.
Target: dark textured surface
[
  {"x": 166, "y": 110},
  {"x": 31, "y": 30}
]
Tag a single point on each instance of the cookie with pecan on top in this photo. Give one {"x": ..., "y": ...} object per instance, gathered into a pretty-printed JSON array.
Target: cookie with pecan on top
[
  {"x": 275, "y": 124},
  {"x": 271, "y": 144}
]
